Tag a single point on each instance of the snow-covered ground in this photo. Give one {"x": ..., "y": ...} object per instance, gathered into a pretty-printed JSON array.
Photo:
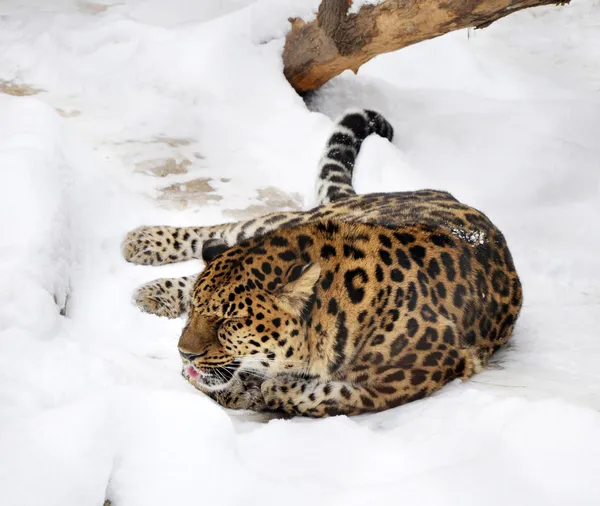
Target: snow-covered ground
[{"x": 131, "y": 97}]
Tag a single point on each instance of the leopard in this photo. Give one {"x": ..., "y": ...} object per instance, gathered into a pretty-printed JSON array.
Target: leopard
[{"x": 361, "y": 304}]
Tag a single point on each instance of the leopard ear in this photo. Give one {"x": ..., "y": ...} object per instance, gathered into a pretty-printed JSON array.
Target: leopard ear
[
  {"x": 212, "y": 248},
  {"x": 294, "y": 296}
]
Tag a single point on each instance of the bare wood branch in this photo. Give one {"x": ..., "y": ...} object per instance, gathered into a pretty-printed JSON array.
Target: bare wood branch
[{"x": 335, "y": 41}]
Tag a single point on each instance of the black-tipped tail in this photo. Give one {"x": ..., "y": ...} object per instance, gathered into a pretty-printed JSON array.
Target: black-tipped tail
[{"x": 337, "y": 164}]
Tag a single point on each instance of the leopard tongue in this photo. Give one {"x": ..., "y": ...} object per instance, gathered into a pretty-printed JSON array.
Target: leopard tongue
[{"x": 192, "y": 372}]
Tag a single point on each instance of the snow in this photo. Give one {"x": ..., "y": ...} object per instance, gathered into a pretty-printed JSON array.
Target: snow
[
  {"x": 92, "y": 404},
  {"x": 359, "y": 4},
  {"x": 36, "y": 247}
]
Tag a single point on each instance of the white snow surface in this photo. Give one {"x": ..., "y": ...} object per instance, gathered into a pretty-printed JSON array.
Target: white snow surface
[
  {"x": 357, "y": 5},
  {"x": 92, "y": 405}
]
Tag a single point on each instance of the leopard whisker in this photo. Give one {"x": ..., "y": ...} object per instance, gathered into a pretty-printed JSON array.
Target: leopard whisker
[
  {"x": 264, "y": 358},
  {"x": 257, "y": 373}
]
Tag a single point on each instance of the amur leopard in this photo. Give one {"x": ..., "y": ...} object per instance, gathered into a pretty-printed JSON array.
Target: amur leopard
[{"x": 361, "y": 304}]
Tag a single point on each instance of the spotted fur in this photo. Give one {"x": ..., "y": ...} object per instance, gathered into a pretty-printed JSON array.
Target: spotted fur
[{"x": 361, "y": 304}]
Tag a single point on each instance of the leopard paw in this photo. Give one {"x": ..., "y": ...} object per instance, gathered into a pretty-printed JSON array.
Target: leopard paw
[
  {"x": 270, "y": 394},
  {"x": 168, "y": 297},
  {"x": 254, "y": 400},
  {"x": 151, "y": 246}
]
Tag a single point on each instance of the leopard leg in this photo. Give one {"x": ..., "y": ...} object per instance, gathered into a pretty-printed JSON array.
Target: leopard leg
[
  {"x": 318, "y": 398},
  {"x": 158, "y": 245},
  {"x": 169, "y": 297},
  {"x": 411, "y": 373}
]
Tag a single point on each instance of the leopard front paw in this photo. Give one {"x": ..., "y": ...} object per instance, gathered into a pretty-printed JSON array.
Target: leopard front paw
[
  {"x": 254, "y": 399},
  {"x": 159, "y": 297},
  {"x": 271, "y": 395},
  {"x": 149, "y": 246}
]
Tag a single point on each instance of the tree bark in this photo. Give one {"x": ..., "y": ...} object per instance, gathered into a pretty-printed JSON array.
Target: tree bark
[{"x": 316, "y": 52}]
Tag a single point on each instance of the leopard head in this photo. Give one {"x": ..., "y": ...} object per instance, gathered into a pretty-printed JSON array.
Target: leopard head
[{"x": 248, "y": 314}]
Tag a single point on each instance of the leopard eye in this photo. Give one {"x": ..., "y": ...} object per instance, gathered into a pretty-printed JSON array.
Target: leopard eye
[
  {"x": 217, "y": 323},
  {"x": 233, "y": 323}
]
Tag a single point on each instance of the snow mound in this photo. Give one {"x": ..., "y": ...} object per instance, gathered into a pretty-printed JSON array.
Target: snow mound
[{"x": 35, "y": 249}]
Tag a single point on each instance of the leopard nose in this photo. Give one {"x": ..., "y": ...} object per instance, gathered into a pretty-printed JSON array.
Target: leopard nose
[{"x": 188, "y": 356}]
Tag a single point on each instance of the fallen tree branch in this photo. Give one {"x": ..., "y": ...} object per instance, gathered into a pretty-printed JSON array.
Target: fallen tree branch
[{"x": 335, "y": 41}]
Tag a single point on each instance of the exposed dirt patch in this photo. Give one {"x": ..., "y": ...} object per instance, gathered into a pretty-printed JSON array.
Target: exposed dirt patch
[
  {"x": 196, "y": 192},
  {"x": 163, "y": 167},
  {"x": 174, "y": 157},
  {"x": 272, "y": 200},
  {"x": 18, "y": 89}
]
